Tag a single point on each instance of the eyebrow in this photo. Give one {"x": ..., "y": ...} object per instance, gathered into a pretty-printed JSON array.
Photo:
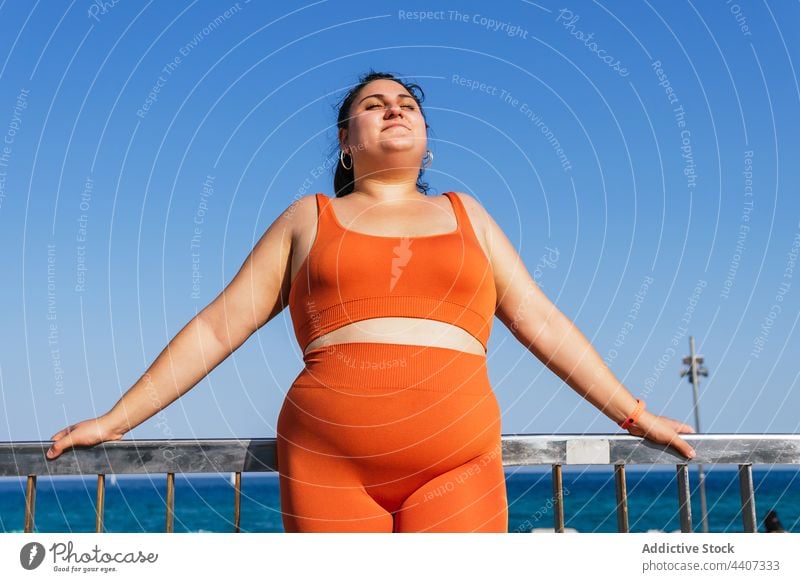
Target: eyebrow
[{"x": 381, "y": 95}]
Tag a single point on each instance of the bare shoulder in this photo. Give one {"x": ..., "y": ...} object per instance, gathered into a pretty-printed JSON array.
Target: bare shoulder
[
  {"x": 480, "y": 220},
  {"x": 301, "y": 208},
  {"x": 291, "y": 226},
  {"x": 300, "y": 216},
  {"x": 494, "y": 241},
  {"x": 478, "y": 215}
]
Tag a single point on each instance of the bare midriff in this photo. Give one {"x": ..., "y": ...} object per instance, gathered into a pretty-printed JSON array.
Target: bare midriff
[{"x": 402, "y": 330}]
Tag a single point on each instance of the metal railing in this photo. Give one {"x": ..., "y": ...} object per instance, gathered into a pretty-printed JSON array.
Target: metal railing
[{"x": 27, "y": 459}]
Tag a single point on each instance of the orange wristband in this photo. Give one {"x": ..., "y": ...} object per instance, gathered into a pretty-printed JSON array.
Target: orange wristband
[{"x": 633, "y": 416}]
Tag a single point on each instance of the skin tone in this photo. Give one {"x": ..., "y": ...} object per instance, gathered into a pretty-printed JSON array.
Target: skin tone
[
  {"x": 387, "y": 139},
  {"x": 385, "y": 201}
]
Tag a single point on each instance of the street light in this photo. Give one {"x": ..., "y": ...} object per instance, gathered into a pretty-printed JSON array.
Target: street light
[{"x": 694, "y": 372}]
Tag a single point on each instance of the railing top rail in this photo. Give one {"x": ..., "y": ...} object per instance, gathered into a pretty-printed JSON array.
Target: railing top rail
[{"x": 259, "y": 455}]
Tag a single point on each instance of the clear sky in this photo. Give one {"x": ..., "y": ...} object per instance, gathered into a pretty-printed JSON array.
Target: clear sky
[{"x": 641, "y": 156}]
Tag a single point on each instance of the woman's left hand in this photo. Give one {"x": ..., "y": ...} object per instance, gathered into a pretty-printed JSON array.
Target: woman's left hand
[{"x": 663, "y": 430}]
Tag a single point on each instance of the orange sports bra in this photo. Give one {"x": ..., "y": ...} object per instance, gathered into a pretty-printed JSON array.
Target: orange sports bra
[{"x": 350, "y": 276}]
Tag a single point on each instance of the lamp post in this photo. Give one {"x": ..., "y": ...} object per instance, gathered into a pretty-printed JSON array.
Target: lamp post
[{"x": 694, "y": 372}]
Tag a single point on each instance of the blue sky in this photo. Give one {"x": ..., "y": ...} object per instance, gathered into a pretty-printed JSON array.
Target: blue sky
[{"x": 640, "y": 156}]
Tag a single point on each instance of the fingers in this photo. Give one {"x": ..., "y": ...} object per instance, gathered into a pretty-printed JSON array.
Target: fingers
[
  {"x": 86, "y": 433},
  {"x": 683, "y": 447},
  {"x": 59, "y": 446},
  {"x": 666, "y": 431}
]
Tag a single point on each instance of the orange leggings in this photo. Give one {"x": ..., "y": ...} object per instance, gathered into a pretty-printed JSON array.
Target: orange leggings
[{"x": 377, "y": 437}]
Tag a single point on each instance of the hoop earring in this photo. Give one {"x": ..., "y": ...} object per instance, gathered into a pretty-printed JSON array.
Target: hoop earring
[
  {"x": 341, "y": 159},
  {"x": 429, "y": 155}
]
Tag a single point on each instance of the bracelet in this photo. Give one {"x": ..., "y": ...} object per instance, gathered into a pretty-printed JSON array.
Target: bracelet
[{"x": 633, "y": 417}]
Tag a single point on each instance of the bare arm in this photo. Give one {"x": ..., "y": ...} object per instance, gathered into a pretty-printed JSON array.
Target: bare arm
[
  {"x": 257, "y": 293},
  {"x": 555, "y": 340}
]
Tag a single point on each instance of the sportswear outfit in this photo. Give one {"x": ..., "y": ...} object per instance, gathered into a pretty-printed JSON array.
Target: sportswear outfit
[{"x": 383, "y": 437}]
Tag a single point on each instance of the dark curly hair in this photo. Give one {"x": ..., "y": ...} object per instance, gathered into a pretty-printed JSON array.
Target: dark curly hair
[{"x": 343, "y": 180}]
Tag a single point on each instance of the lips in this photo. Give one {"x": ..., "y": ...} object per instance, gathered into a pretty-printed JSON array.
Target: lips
[{"x": 394, "y": 125}]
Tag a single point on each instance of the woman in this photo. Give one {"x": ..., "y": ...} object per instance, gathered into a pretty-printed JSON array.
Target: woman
[{"x": 392, "y": 424}]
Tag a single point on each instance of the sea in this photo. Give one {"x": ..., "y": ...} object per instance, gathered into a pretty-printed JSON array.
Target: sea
[{"x": 205, "y": 503}]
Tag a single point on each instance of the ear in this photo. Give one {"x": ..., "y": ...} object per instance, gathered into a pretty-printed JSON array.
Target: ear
[{"x": 342, "y": 138}]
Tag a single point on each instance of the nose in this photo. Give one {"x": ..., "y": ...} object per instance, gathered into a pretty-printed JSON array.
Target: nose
[{"x": 393, "y": 109}]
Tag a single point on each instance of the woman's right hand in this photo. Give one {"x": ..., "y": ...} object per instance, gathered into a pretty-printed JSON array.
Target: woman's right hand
[{"x": 86, "y": 433}]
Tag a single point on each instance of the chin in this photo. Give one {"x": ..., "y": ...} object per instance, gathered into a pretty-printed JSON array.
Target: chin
[{"x": 407, "y": 146}]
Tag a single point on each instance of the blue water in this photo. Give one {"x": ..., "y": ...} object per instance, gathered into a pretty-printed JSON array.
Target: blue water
[{"x": 205, "y": 503}]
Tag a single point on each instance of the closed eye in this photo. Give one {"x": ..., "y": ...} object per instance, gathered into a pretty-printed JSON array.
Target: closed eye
[{"x": 376, "y": 105}]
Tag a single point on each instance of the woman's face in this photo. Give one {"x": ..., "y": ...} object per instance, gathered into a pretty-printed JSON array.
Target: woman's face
[{"x": 385, "y": 119}]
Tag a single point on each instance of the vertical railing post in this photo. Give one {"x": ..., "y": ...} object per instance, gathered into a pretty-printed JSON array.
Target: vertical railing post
[
  {"x": 170, "y": 501},
  {"x": 237, "y": 501},
  {"x": 101, "y": 501},
  {"x": 748, "y": 497},
  {"x": 684, "y": 498},
  {"x": 622, "y": 498},
  {"x": 30, "y": 503},
  {"x": 558, "y": 501}
]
